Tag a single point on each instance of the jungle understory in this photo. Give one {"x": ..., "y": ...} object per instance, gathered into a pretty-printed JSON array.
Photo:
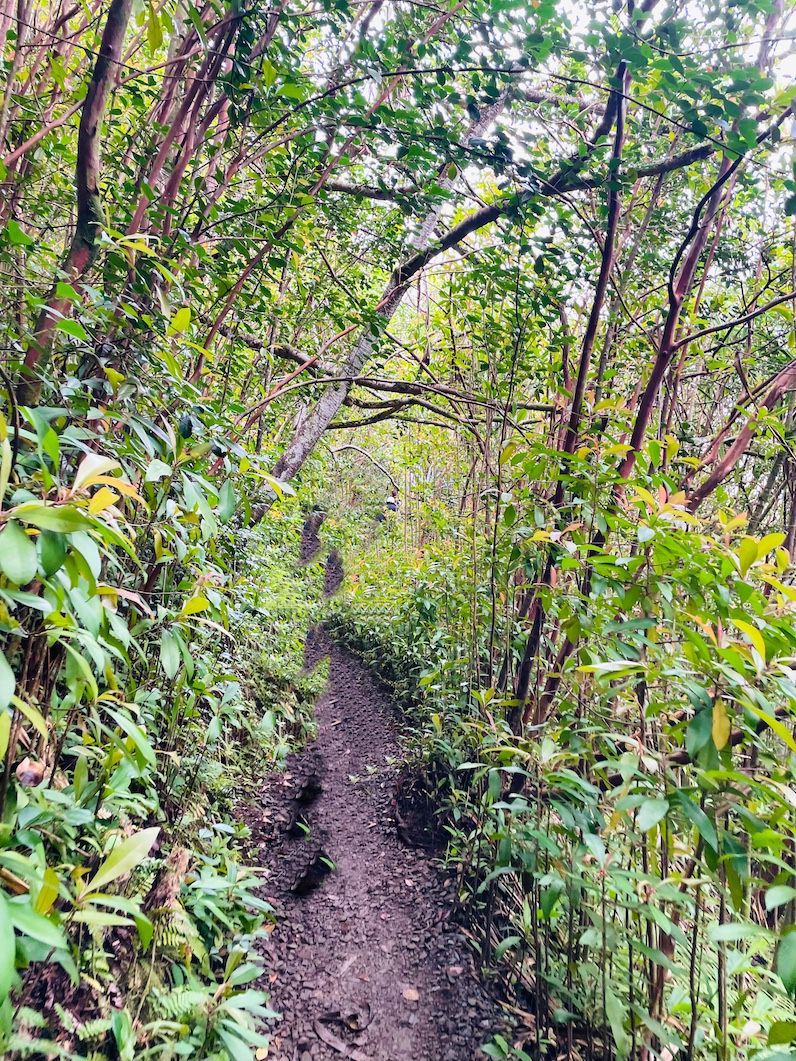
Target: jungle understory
[{"x": 398, "y": 530}]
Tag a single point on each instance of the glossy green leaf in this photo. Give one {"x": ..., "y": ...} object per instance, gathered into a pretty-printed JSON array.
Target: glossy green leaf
[
  {"x": 18, "y": 559},
  {"x": 62, "y": 518},
  {"x": 52, "y": 551},
  {"x": 16, "y": 236}
]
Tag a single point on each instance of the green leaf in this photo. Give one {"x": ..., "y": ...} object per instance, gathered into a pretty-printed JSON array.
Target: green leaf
[
  {"x": 63, "y": 518},
  {"x": 781, "y": 1032},
  {"x": 616, "y": 1013},
  {"x": 290, "y": 91},
  {"x": 8, "y": 684},
  {"x": 137, "y": 734},
  {"x": 614, "y": 667},
  {"x": 697, "y": 816},
  {"x": 746, "y": 553},
  {"x": 267, "y": 72},
  {"x": 16, "y": 236},
  {"x": 778, "y": 727},
  {"x": 778, "y": 895},
  {"x": 769, "y": 542},
  {"x": 154, "y": 31},
  {"x": 33, "y": 715},
  {"x": 169, "y": 653},
  {"x": 786, "y": 961},
  {"x": 699, "y": 732},
  {"x": 732, "y": 931},
  {"x": 8, "y": 950},
  {"x": 227, "y": 502},
  {"x": 5, "y": 731},
  {"x": 506, "y": 944},
  {"x": 650, "y": 813},
  {"x": 6, "y": 458},
  {"x": 100, "y": 918},
  {"x": 74, "y": 328},
  {"x": 18, "y": 559},
  {"x": 52, "y": 551},
  {"x": 549, "y": 898},
  {"x": 66, "y": 292},
  {"x": 30, "y": 923},
  {"x": 194, "y": 605},
  {"x": 754, "y": 636},
  {"x": 126, "y": 854},
  {"x": 157, "y": 470}
]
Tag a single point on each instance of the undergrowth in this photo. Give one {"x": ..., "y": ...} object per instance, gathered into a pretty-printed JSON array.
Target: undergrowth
[
  {"x": 128, "y": 915},
  {"x": 628, "y": 868}
]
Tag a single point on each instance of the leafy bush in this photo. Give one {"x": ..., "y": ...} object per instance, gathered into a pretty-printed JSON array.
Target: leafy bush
[{"x": 151, "y": 658}]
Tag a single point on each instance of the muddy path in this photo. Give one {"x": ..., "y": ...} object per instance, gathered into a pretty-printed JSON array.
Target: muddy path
[{"x": 364, "y": 962}]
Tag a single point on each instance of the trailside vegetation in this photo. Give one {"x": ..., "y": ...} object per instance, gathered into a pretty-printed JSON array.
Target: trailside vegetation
[{"x": 530, "y": 265}]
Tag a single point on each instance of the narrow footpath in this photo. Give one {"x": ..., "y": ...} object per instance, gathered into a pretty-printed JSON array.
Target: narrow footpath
[{"x": 364, "y": 962}]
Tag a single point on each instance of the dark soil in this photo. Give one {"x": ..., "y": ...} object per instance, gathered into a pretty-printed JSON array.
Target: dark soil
[
  {"x": 365, "y": 962},
  {"x": 334, "y": 574},
  {"x": 310, "y": 539}
]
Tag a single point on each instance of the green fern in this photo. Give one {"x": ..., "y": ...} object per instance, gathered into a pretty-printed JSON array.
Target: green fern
[
  {"x": 94, "y": 1029},
  {"x": 175, "y": 933},
  {"x": 182, "y": 1004}
]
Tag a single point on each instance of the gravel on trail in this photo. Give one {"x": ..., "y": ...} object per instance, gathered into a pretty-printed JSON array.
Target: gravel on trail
[{"x": 365, "y": 962}]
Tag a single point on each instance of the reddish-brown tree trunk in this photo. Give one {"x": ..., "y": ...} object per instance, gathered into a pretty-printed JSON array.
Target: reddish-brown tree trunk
[{"x": 88, "y": 200}]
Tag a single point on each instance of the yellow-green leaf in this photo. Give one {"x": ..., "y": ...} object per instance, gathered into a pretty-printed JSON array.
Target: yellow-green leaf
[
  {"x": 769, "y": 542},
  {"x": 48, "y": 892},
  {"x": 92, "y": 465},
  {"x": 180, "y": 321},
  {"x": 746, "y": 553},
  {"x": 124, "y": 856},
  {"x": 754, "y": 636},
  {"x": 8, "y": 950},
  {"x": 5, "y": 730},
  {"x": 154, "y": 32},
  {"x": 779, "y": 728},
  {"x": 195, "y": 604},
  {"x": 33, "y": 715},
  {"x": 721, "y": 725}
]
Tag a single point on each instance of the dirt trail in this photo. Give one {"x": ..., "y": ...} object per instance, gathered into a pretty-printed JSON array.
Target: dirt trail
[{"x": 364, "y": 963}]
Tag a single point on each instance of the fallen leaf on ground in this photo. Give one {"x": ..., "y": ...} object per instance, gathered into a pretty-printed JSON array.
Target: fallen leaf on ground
[{"x": 411, "y": 994}]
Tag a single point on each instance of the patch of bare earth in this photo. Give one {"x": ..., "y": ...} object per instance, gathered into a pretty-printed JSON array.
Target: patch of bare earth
[{"x": 365, "y": 962}]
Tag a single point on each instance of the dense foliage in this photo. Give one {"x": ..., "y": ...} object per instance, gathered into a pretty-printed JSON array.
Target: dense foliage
[
  {"x": 535, "y": 265},
  {"x": 629, "y": 858}
]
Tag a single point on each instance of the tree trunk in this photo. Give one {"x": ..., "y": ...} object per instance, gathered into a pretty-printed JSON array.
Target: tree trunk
[{"x": 89, "y": 202}]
